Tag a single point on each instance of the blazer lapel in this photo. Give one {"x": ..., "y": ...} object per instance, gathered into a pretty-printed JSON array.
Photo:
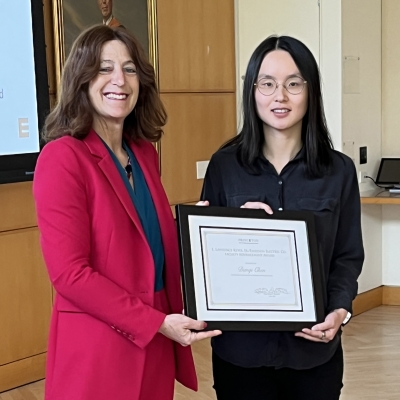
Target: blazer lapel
[{"x": 107, "y": 166}]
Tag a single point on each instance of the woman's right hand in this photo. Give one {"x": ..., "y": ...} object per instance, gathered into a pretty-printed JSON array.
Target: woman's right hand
[
  {"x": 178, "y": 327},
  {"x": 258, "y": 205}
]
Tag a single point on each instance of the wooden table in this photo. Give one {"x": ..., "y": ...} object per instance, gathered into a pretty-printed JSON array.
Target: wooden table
[{"x": 379, "y": 196}]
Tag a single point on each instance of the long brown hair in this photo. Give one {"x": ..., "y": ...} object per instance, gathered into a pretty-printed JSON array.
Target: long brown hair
[{"x": 73, "y": 115}]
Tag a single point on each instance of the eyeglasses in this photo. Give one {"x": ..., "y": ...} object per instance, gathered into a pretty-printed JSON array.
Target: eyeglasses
[{"x": 268, "y": 86}]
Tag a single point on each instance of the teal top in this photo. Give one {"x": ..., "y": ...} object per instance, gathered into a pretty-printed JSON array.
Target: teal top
[{"x": 143, "y": 203}]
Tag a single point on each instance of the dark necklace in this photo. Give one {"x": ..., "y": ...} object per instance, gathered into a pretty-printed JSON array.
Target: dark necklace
[{"x": 128, "y": 168}]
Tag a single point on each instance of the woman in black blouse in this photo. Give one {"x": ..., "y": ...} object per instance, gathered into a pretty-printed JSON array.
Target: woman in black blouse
[{"x": 283, "y": 159}]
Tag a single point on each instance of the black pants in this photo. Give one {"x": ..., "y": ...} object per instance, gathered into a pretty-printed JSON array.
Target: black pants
[{"x": 267, "y": 383}]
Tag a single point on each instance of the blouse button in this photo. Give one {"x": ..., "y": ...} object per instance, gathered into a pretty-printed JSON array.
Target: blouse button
[
  {"x": 280, "y": 209},
  {"x": 280, "y": 182}
]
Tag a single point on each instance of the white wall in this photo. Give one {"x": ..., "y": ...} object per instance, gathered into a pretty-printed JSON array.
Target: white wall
[
  {"x": 371, "y": 276},
  {"x": 361, "y": 117},
  {"x": 391, "y": 245},
  {"x": 391, "y": 78},
  {"x": 391, "y": 133},
  {"x": 331, "y": 66},
  {"x": 361, "y": 37}
]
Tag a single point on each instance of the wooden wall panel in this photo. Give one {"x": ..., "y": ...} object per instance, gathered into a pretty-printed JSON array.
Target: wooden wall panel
[
  {"x": 26, "y": 296},
  {"x": 17, "y": 209},
  {"x": 391, "y": 295},
  {"x": 21, "y": 372},
  {"x": 196, "y": 45},
  {"x": 367, "y": 300},
  {"x": 198, "y": 124}
]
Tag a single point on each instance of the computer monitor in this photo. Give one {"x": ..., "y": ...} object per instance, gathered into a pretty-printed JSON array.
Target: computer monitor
[
  {"x": 389, "y": 172},
  {"x": 24, "y": 90}
]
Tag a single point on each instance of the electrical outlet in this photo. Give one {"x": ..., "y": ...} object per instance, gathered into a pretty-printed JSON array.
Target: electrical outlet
[{"x": 362, "y": 176}]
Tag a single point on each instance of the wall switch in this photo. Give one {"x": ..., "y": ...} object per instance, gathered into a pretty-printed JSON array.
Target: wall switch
[
  {"x": 201, "y": 168},
  {"x": 363, "y": 155},
  {"x": 362, "y": 176}
]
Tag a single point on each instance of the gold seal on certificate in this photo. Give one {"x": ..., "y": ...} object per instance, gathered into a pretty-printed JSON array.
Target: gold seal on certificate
[{"x": 247, "y": 270}]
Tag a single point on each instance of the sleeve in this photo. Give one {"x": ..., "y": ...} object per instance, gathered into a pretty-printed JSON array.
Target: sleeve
[
  {"x": 213, "y": 187},
  {"x": 65, "y": 227},
  {"x": 348, "y": 253}
]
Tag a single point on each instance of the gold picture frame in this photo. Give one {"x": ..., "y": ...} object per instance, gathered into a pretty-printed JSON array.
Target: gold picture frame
[
  {"x": 72, "y": 13},
  {"x": 70, "y": 17}
]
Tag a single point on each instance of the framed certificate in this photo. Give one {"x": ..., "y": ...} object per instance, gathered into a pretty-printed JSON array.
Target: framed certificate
[{"x": 246, "y": 270}]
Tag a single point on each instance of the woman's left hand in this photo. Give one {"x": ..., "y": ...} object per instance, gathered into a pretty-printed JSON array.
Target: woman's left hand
[{"x": 325, "y": 331}]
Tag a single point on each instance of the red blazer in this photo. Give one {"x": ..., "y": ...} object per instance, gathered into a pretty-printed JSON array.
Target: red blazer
[{"x": 102, "y": 268}]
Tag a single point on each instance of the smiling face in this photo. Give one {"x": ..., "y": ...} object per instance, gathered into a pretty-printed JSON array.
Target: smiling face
[
  {"x": 281, "y": 111},
  {"x": 105, "y": 8},
  {"x": 115, "y": 90}
]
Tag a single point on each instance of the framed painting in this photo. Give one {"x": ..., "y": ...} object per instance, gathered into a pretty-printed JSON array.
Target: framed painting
[{"x": 71, "y": 17}]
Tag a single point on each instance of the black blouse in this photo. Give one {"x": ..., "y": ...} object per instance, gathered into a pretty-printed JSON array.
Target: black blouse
[{"x": 335, "y": 201}]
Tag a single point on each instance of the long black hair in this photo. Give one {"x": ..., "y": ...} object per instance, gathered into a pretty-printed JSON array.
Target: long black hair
[{"x": 315, "y": 135}]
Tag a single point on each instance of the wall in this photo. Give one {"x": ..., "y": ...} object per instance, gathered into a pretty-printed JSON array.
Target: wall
[
  {"x": 197, "y": 84},
  {"x": 25, "y": 291},
  {"x": 331, "y": 66},
  {"x": 361, "y": 113},
  {"x": 361, "y": 37},
  {"x": 391, "y": 133}
]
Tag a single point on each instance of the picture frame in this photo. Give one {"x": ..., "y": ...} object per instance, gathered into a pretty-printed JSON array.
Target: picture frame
[
  {"x": 246, "y": 270},
  {"x": 70, "y": 17}
]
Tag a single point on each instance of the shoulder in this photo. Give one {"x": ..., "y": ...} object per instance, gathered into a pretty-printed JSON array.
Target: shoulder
[
  {"x": 114, "y": 23},
  {"x": 144, "y": 146},
  {"x": 342, "y": 162},
  {"x": 225, "y": 155},
  {"x": 63, "y": 144},
  {"x": 60, "y": 166},
  {"x": 65, "y": 153}
]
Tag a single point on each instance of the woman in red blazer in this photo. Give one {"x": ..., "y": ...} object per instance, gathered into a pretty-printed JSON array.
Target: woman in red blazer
[{"x": 107, "y": 233}]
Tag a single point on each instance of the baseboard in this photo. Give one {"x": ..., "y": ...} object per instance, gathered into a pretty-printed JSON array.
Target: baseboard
[
  {"x": 382, "y": 295},
  {"x": 22, "y": 372},
  {"x": 391, "y": 295},
  {"x": 368, "y": 300}
]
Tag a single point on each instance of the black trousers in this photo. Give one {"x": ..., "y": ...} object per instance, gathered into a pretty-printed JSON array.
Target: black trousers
[{"x": 267, "y": 383}]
